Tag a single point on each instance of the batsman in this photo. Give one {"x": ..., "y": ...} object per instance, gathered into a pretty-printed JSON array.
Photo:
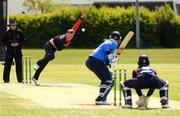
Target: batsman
[
  {"x": 144, "y": 77},
  {"x": 98, "y": 63},
  {"x": 57, "y": 43}
]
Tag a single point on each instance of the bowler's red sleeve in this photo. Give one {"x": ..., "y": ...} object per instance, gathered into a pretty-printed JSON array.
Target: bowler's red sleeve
[
  {"x": 75, "y": 28},
  {"x": 77, "y": 24}
]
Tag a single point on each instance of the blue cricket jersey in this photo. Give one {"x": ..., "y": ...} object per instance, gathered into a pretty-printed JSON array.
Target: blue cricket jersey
[{"x": 109, "y": 45}]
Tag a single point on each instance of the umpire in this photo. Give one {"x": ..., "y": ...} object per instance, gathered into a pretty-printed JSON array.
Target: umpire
[{"x": 13, "y": 39}]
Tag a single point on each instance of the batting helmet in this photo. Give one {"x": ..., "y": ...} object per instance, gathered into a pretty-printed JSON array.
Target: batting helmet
[
  {"x": 116, "y": 35},
  {"x": 143, "y": 60}
]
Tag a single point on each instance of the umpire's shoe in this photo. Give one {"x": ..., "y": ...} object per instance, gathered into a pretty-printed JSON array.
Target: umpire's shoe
[{"x": 35, "y": 82}]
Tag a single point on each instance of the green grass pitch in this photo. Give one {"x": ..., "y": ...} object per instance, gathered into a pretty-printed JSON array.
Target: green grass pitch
[{"x": 69, "y": 67}]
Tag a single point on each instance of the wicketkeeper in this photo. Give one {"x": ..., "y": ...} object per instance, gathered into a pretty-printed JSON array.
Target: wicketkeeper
[
  {"x": 98, "y": 63},
  {"x": 57, "y": 43},
  {"x": 144, "y": 77}
]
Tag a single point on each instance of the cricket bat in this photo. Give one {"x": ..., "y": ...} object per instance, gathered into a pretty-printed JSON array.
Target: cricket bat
[{"x": 125, "y": 42}]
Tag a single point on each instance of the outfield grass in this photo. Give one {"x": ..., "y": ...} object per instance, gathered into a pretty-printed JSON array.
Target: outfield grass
[
  {"x": 130, "y": 56},
  {"x": 69, "y": 67}
]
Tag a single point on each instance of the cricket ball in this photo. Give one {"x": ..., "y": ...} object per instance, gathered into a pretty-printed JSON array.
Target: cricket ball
[{"x": 83, "y": 29}]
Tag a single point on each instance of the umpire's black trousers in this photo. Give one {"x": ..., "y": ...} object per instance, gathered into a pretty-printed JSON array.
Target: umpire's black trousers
[{"x": 17, "y": 55}]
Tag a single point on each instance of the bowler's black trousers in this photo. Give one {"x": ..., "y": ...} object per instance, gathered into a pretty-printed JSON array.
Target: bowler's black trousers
[{"x": 49, "y": 55}]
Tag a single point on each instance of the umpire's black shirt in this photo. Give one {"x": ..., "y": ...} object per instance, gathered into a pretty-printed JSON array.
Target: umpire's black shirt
[{"x": 13, "y": 40}]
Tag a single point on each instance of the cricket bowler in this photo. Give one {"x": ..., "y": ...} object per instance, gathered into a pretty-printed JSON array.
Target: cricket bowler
[{"x": 57, "y": 43}]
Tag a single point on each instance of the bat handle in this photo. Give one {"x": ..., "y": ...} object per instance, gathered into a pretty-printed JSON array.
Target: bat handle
[{"x": 119, "y": 51}]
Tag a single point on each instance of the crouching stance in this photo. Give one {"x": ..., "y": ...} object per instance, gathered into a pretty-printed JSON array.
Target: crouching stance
[
  {"x": 57, "y": 43},
  {"x": 144, "y": 78},
  {"x": 98, "y": 63}
]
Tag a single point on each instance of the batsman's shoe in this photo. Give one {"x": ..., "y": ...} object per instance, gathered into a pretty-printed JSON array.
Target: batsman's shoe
[
  {"x": 127, "y": 106},
  {"x": 99, "y": 98},
  {"x": 35, "y": 82},
  {"x": 102, "y": 103}
]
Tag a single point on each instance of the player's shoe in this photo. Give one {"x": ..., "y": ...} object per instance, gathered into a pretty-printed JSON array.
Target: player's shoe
[
  {"x": 164, "y": 103},
  {"x": 36, "y": 67},
  {"x": 165, "y": 106},
  {"x": 35, "y": 82},
  {"x": 127, "y": 106},
  {"x": 102, "y": 103}
]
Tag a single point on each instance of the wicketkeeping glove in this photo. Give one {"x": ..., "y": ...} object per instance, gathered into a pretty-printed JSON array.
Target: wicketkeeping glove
[{"x": 141, "y": 101}]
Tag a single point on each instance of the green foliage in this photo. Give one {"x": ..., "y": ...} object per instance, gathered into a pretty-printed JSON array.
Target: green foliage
[
  {"x": 177, "y": 33},
  {"x": 160, "y": 28},
  {"x": 148, "y": 27},
  {"x": 166, "y": 26}
]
